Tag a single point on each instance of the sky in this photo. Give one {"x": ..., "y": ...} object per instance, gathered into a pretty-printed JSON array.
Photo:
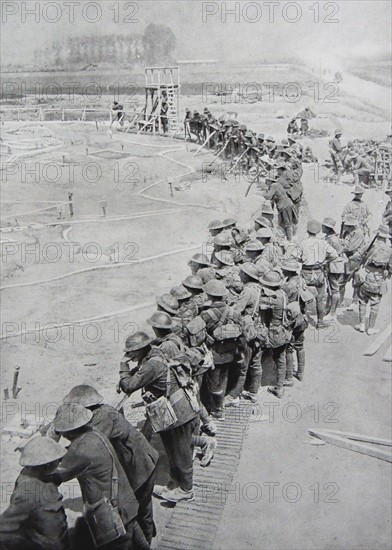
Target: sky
[{"x": 241, "y": 31}]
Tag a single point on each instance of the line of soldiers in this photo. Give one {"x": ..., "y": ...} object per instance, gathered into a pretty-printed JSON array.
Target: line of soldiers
[
  {"x": 245, "y": 300},
  {"x": 359, "y": 157},
  {"x": 247, "y": 297},
  {"x": 236, "y": 142}
]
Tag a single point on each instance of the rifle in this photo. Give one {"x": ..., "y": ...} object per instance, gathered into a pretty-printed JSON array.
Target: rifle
[
  {"x": 220, "y": 152},
  {"x": 238, "y": 160},
  {"x": 364, "y": 259},
  {"x": 205, "y": 143}
]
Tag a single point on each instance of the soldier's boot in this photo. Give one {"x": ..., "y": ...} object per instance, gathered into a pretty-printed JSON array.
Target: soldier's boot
[
  {"x": 277, "y": 391},
  {"x": 372, "y": 321},
  {"x": 218, "y": 412},
  {"x": 320, "y": 314},
  {"x": 334, "y": 303},
  {"x": 353, "y": 306},
  {"x": 362, "y": 314},
  {"x": 207, "y": 425},
  {"x": 289, "y": 369},
  {"x": 208, "y": 451},
  {"x": 301, "y": 364},
  {"x": 342, "y": 292}
]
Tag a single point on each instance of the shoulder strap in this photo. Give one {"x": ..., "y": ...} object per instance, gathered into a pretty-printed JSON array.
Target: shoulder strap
[
  {"x": 257, "y": 302},
  {"x": 114, "y": 481}
]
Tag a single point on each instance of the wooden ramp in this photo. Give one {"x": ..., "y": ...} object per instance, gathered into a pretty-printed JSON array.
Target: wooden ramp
[{"x": 194, "y": 525}]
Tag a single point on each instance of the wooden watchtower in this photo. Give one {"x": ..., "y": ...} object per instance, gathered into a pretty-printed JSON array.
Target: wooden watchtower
[{"x": 162, "y": 83}]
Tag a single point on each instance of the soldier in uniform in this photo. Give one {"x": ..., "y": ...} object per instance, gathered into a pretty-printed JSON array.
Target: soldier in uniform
[
  {"x": 296, "y": 290},
  {"x": 358, "y": 210},
  {"x": 169, "y": 304},
  {"x": 200, "y": 265},
  {"x": 92, "y": 460},
  {"x": 35, "y": 518},
  {"x": 373, "y": 278},
  {"x": 284, "y": 206},
  {"x": 354, "y": 245},
  {"x": 222, "y": 243},
  {"x": 194, "y": 284},
  {"x": 154, "y": 375},
  {"x": 273, "y": 305},
  {"x": 387, "y": 214},
  {"x": 187, "y": 119},
  {"x": 292, "y": 128},
  {"x": 254, "y": 250},
  {"x": 250, "y": 371},
  {"x": 226, "y": 353},
  {"x": 336, "y": 268},
  {"x": 271, "y": 252},
  {"x": 361, "y": 168},
  {"x": 316, "y": 254},
  {"x": 337, "y": 153},
  {"x": 188, "y": 308},
  {"x": 215, "y": 313},
  {"x": 119, "y": 110},
  {"x": 138, "y": 458}
]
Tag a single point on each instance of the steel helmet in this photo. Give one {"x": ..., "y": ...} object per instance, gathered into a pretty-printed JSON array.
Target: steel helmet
[
  {"x": 169, "y": 303},
  {"x": 358, "y": 190},
  {"x": 223, "y": 239},
  {"x": 289, "y": 264},
  {"x": 41, "y": 450},
  {"x": 313, "y": 227},
  {"x": 137, "y": 341},
  {"x": 215, "y": 224},
  {"x": 329, "y": 222},
  {"x": 264, "y": 233},
  {"x": 262, "y": 221},
  {"x": 227, "y": 222},
  {"x": 215, "y": 288},
  {"x": 267, "y": 208},
  {"x": 180, "y": 292},
  {"x": 272, "y": 279},
  {"x": 70, "y": 417},
  {"x": 250, "y": 270},
  {"x": 160, "y": 319},
  {"x": 200, "y": 259},
  {"x": 193, "y": 281},
  {"x": 225, "y": 257},
  {"x": 84, "y": 395},
  {"x": 254, "y": 246}
]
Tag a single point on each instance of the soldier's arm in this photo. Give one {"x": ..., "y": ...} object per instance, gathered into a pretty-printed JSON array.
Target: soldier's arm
[
  {"x": 331, "y": 253},
  {"x": 73, "y": 464},
  {"x": 146, "y": 375},
  {"x": 18, "y": 511},
  {"x": 270, "y": 193},
  {"x": 346, "y": 210},
  {"x": 242, "y": 302},
  {"x": 351, "y": 245}
]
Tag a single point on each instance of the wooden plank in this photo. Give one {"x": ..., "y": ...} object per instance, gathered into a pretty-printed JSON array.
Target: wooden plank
[
  {"x": 353, "y": 445},
  {"x": 358, "y": 437},
  {"x": 388, "y": 355},
  {"x": 378, "y": 342}
]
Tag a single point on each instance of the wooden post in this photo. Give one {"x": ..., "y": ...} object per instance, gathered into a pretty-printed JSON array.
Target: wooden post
[
  {"x": 15, "y": 389},
  {"x": 71, "y": 210},
  {"x": 103, "y": 204},
  {"x": 63, "y": 115}
]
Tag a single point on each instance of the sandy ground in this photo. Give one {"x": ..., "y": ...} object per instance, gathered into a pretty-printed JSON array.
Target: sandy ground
[{"x": 119, "y": 273}]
